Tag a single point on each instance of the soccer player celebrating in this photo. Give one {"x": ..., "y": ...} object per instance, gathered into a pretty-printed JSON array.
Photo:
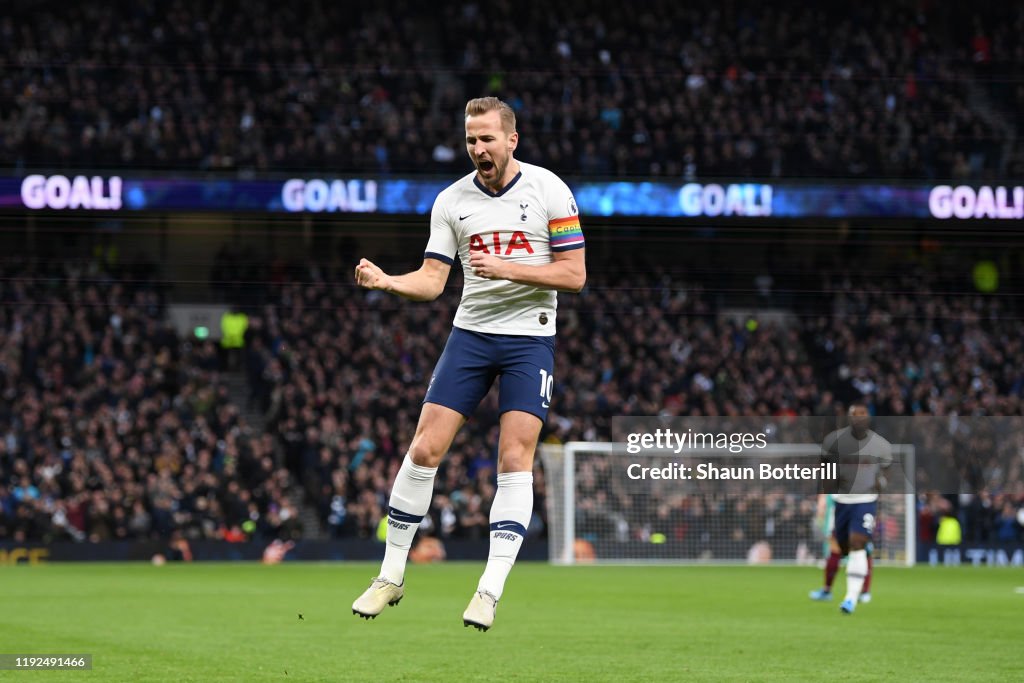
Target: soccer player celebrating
[
  {"x": 861, "y": 454},
  {"x": 515, "y": 229}
]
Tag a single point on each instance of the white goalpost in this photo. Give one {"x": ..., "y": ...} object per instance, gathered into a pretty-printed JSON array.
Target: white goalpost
[{"x": 598, "y": 513}]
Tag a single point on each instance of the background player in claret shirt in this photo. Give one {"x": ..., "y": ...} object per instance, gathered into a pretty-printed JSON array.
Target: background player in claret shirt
[
  {"x": 861, "y": 454},
  {"x": 515, "y": 229}
]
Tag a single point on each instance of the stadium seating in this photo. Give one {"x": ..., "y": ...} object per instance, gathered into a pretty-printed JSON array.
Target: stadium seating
[
  {"x": 113, "y": 427},
  {"x": 684, "y": 90}
]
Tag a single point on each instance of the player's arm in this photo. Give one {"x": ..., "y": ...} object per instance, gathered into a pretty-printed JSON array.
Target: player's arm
[
  {"x": 825, "y": 486},
  {"x": 884, "y": 461},
  {"x": 425, "y": 284},
  {"x": 567, "y": 271}
]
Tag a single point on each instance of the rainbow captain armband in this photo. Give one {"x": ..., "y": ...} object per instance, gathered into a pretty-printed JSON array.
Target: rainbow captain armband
[{"x": 566, "y": 234}]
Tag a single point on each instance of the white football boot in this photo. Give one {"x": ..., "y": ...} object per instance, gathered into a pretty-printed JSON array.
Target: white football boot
[
  {"x": 379, "y": 595},
  {"x": 480, "y": 612}
]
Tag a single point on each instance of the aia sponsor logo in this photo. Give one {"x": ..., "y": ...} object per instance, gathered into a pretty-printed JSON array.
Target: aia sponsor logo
[{"x": 491, "y": 243}]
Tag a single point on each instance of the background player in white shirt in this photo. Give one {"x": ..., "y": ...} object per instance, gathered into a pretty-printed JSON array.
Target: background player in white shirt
[
  {"x": 861, "y": 454},
  {"x": 515, "y": 229}
]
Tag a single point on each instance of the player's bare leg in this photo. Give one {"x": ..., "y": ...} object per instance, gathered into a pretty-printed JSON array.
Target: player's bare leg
[
  {"x": 510, "y": 512},
  {"x": 410, "y": 500},
  {"x": 856, "y": 570}
]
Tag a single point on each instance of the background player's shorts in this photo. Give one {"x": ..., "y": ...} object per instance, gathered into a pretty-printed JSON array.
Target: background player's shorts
[
  {"x": 855, "y": 518},
  {"x": 472, "y": 360}
]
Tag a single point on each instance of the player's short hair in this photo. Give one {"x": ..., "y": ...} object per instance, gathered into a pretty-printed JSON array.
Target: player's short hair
[{"x": 482, "y": 105}]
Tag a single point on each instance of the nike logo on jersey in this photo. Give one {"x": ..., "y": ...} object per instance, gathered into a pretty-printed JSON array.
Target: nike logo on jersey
[{"x": 462, "y": 218}]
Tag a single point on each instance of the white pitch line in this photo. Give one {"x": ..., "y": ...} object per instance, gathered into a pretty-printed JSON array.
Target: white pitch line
[{"x": 1019, "y": 590}]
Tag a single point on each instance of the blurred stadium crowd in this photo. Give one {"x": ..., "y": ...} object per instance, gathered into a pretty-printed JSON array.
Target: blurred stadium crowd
[
  {"x": 738, "y": 89},
  {"x": 112, "y": 427}
]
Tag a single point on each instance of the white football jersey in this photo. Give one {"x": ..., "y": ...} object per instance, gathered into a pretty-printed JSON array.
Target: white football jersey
[
  {"x": 532, "y": 217},
  {"x": 859, "y": 461}
]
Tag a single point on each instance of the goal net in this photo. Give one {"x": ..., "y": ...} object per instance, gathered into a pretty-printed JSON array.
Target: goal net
[{"x": 600, "y": 510}]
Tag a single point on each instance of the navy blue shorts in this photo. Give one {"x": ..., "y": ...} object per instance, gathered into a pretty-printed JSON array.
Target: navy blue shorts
[
  {"x": 855, "y": 518},
  {"x": 524, "y": 366}
]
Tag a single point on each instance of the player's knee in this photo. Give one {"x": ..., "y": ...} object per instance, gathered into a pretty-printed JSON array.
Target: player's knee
[
  {"x": 516, "y": 458},
  {"x": 424, "y": 454},
  {"x": 858, "y": 542}
]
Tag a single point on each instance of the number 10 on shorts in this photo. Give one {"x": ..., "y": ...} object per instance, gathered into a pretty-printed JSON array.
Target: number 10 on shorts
[{"x": 547, "y": 386}]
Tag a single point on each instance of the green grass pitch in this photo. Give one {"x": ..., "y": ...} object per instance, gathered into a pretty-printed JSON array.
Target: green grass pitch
[{"x": 240, "y": 622}]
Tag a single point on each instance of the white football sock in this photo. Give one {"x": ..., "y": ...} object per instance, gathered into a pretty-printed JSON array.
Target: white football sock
[
  {"x": 410, "y": 500},
  {"x": 856, "y": 570},
  {"x": 510, "y": 515}
]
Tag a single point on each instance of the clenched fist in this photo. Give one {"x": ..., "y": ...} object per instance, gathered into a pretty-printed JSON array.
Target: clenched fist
[
  {"x": 487, "y": 265},
  {"x": 372, "y": 277}
]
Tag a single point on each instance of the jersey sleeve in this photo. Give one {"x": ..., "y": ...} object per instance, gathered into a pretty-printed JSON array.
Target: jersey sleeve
[
  {"x": 829, "y": 448},
  {"x": 443, "y": 244},
  {"x": 564, "y": 226},
  {"x": 885, "y": 458}
]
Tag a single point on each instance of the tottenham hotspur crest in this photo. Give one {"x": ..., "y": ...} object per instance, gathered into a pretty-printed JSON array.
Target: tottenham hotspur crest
[{"x": 523, "y": 206}]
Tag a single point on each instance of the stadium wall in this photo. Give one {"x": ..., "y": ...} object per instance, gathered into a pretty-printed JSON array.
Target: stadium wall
[
  {"x": 971, "y": 554},
  {"x": 364, "y": 550},
  {"x": 349, "y": 550}
]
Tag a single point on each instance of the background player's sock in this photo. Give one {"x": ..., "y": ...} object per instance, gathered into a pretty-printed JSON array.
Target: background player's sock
[
  {"x": 510, "y": 515},
  {"x": 867, "y": 577},
  {"x": 856, "y": 570},
  {"x": 410, "y": 500},
  {"x": 831, "y": 568}
]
